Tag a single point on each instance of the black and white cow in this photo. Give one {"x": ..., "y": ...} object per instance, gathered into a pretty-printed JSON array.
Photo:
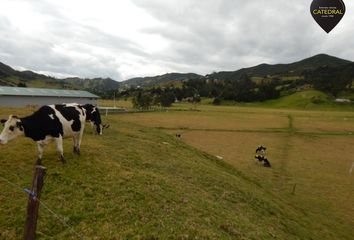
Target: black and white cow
[
  {"x": 51, "y": 122},
  {"x": 93, "y": 116},
  {"x": 261, "y": 149},
  {"x": 263, "y": 159}
]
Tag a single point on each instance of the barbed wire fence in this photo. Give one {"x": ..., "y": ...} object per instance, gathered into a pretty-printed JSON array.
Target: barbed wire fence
[{"x": 45, "y": 206}]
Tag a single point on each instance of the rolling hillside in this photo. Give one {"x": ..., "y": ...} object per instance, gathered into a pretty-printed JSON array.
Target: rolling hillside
[
  {"x": 105, "y": 86},
  {"x": 310, "y": 99},
  {"x": 145, "y": 184},
  {"x": 285, "y": 70},
  {"x": 292, "y": 69},
  {"x": 161, "y": 79},
  {"x": 11, "y": 77}
]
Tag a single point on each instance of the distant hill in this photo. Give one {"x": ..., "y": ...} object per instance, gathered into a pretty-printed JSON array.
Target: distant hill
[
  {"x": 291, "y": 69},
  {"x": 307, "y": 99},
  {"x": 262, "y": 70},
  {"x": 12, "y": 77},
  {"x": 96, "y": 85},
  {"x": 105, "y": 86},
  {"x": 158, "y": 80}
]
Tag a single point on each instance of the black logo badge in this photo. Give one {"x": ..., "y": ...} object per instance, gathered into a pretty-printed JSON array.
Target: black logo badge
[{"x": 327, "y": 13}]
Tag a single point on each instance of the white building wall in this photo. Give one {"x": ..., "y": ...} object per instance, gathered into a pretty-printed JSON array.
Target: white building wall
[{"x": 25, "y": 101}]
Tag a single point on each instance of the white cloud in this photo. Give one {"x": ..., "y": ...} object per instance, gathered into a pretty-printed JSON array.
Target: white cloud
[{"x": 128, "y": 38}]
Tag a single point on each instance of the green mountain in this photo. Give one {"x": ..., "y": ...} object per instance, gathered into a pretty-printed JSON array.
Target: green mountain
[
  {"x": 105, "y": 86},
  {"x": 291, "y": 69},
  {"x": 96, "y": 85},
  {"x": 284, "y": 70},
  {"x": 158, "y": 80},
  {"x": 12, "y": 77}
]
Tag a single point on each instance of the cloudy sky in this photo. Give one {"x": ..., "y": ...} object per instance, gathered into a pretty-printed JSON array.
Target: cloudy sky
[{"x": 122, "y": 39}]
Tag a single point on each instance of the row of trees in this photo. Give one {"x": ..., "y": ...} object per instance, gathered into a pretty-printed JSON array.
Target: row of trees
[
  {"x": 246, "y": 90},
  {"x": 332, "y": 80},
  {"x": 145, "y": 100},
  {"x": 243, "y": 90}
]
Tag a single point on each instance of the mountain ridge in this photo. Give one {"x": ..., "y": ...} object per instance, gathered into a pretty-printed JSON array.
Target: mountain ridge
[
  {"x": 102, "y": 86},
  {"x": 155, "y": 80},
  {"x": 294, "y": 68},
  {"x": 12, "y": 77}
]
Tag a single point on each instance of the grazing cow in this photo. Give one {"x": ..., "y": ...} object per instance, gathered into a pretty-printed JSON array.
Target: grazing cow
[
  {"x": 266, "y": 163},
  {"x": 261, "y": 149},
  {"x": 51, "y": 122},
  {"x": 259, "y": 157},
  {"x": 264, "y": 160},
  {"x": 93, "y": 116},
  {"x": 178, "y": 135}
]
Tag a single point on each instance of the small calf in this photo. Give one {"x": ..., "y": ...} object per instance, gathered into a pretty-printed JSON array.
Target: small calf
[{"x": 178, "y": 135}]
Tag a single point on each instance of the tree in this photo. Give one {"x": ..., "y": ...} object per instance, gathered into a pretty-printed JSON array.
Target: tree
[
  {"x": 241, "y": 90},
  {"x": 332, "y": 80},
  {"x": 267, "y": 90},
  {"x": 167, "y": 98},
  {"x": 217, "y": 101},
  {"x": 21, "y": 84},
  {"x": 142, "y": 100}
]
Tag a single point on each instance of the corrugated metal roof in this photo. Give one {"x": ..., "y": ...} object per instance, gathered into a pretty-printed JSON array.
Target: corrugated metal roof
[{"x": 44, "y": 92}]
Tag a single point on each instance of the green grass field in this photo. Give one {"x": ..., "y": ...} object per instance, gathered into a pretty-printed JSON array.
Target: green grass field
[
  {"x": 302, "y": 100},
  {"x": 310, "y": 151},
  {"x": 138, "y": 181}
]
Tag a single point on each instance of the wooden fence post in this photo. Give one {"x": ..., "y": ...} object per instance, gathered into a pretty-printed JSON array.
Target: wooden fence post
[{"x": 33, "y": 202}]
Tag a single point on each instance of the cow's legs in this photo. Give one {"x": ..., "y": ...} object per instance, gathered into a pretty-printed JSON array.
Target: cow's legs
[
  {"x": 76, "y": 139},
  {"x": 81, "y": 133},
  {"x": 79, "y": 137},
  {"x": 75, "y": 144},
  {"x": 59, "y": 145},
  {"x": 40, "y": 147}
]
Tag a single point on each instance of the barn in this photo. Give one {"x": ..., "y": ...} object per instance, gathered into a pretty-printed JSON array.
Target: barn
[{"x": 23, "y": 97}]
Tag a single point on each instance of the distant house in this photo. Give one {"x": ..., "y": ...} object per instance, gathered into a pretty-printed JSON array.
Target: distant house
[{"x": 22, "y": 97}]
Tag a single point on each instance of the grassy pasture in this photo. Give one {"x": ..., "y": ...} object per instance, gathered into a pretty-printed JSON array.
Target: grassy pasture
[
  {"x": 138, "y": 181},
  {"x": 311, "y": 153},
  {"x": 308, "y": 99},
  {"x": 117, "y": 103},
  {"x": 209, "y": 121}
]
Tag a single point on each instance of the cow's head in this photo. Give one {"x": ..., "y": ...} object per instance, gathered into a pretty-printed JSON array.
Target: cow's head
[
  {"x": 96, "y": 120},
  {"x": 99, "y": 127},
  {"x": 93, "y": 115},
  {"x": 13, "y": 128}
]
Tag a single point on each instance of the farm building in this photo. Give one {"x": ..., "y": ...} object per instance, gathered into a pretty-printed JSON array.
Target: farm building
[{"x": 22, "y": 97}]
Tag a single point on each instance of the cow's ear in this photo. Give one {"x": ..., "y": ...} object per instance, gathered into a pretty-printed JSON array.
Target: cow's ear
[
  {"x": 3, "y": 121},
  {"x": 19, "y": 125}
]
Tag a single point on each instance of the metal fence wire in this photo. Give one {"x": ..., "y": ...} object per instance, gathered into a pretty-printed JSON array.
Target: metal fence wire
[{"x": 55, "y": 215}]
